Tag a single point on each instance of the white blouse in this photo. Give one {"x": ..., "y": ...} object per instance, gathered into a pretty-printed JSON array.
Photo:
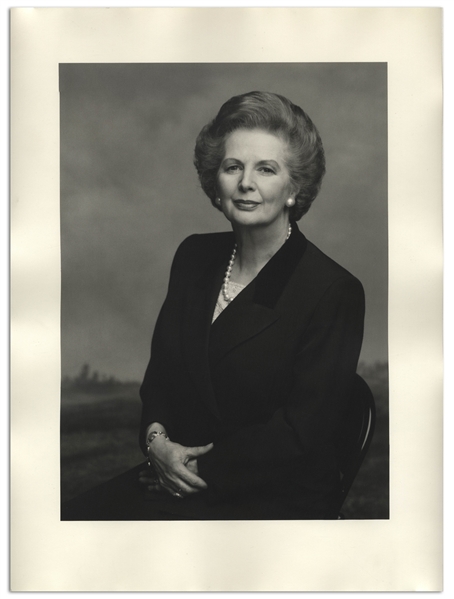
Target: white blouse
[{"x": 233, "y": 290}]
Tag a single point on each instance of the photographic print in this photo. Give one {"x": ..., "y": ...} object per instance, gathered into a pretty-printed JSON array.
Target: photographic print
[
  {"x": 130, "y": 195},
  {"x": 226, "y": 299}
]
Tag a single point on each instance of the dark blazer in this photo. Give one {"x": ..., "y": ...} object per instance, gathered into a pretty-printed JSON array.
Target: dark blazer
[{"x": 268, "y": 382}]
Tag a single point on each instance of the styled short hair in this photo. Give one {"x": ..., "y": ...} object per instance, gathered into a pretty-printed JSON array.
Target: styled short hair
[{"x": 277, "y": 115}]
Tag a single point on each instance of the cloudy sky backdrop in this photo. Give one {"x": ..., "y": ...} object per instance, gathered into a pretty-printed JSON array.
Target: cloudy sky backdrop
[{"x": 130, "y": 194}]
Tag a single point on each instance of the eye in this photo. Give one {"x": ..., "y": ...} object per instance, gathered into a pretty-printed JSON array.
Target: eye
[
  {"x": 267, "y": 170},
  {"x": 232, "y": 168}
]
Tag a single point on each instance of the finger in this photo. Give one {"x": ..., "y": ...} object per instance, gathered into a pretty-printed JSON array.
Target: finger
[
  {"x": 148, "y": 473},
  {"x": 185, "y": 489},
  {"x": 181, "y": 491},
  {"x": 148, "y": 481},
  {"x": 156, "y": 488},
  {"x": 148, "y": 477},
  {"x": 180, "y": 477},
  {"x": 188, "y": 479},
  {"x": 173, "y": 490},
  {"x": 194, "y": 452},
  {"x": 191, "y": 491},
  {"x": 177, "y": 485}
]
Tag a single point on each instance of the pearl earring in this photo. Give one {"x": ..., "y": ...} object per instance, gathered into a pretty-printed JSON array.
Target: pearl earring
[
  {"x": 218, "y": 201},
  {"x": 290, "y": 202}
]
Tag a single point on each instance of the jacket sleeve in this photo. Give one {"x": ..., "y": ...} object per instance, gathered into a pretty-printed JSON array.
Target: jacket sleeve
[
  {"x": 153, "y": 391},
  {"x": 295, "y": 440}
]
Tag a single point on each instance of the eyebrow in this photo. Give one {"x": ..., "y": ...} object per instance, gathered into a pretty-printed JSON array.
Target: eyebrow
[
  {"x": 259, "y": 163},
  {"x": 270, "y": 161}
]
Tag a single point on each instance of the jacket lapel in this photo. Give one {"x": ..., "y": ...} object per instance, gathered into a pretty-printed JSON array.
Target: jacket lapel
[
  {"x": 255, "y": 308},
  {"x": 250, "y": 313},
  {"x": 241, "y": 320}
]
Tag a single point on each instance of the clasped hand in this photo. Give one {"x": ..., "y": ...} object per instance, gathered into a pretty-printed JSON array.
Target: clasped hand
[{"x": 175, "y": 468}]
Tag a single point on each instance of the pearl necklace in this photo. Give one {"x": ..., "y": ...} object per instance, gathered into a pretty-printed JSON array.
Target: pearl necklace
[{"x": 228, "y": 272}]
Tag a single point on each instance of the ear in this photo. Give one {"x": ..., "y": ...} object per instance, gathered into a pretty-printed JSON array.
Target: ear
[
  {"x": 293, "y": 190},
  {"x": 291, "y": 198}
]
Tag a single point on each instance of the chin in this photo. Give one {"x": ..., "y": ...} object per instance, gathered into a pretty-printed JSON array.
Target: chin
[
  {"x": 247, "y": 221},
  {"x": 251, "y": 220}
]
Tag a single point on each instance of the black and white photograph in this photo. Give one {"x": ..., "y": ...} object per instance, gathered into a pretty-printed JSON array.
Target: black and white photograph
[
  {"x": 237, "y": 215},
  {"x": 226, "y": 299}
]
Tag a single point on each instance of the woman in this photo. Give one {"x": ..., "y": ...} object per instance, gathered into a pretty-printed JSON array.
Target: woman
[{"x": 255, "y": 349}]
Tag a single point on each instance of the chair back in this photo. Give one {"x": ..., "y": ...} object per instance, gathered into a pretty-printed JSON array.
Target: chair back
[{"x": 356, "y": 434}]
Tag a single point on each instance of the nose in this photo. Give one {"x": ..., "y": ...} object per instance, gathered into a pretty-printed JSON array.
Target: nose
[{"x": 247, "y": 182}]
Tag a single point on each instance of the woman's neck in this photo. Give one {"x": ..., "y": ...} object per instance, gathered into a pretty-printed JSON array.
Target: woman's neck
[{"x": 255, "y": 247}]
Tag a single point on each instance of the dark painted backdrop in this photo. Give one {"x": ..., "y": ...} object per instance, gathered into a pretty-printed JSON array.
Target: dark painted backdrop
[{"x": 130, "y": 194}]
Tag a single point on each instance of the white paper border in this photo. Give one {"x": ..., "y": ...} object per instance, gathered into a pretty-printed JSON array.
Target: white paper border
[{"x": 402, "y": 554}]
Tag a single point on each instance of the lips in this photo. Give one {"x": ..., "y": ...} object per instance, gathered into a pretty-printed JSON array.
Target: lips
[{"x": 246, "y": 204}]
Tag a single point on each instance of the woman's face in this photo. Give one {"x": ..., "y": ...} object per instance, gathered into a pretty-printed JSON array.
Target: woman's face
[{"x": 253, "y": 181}]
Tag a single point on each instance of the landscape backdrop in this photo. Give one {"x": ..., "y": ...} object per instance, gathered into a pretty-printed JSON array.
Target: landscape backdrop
[{"x": 130, "y": 195}]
